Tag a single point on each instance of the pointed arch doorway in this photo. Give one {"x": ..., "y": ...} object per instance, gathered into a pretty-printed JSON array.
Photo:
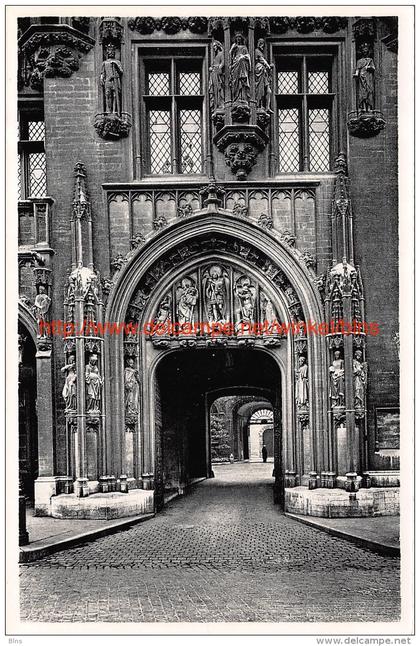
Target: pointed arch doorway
[{"x": 185, "y": 264}]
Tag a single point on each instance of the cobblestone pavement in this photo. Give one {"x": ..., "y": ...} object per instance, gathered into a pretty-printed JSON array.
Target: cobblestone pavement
[{"x": 223, "y": 552}]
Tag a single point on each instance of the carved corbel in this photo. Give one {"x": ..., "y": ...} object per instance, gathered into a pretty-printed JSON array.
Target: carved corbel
[
  {"x": 241, "y": 146},
  {"x": 111, "y": 31}
]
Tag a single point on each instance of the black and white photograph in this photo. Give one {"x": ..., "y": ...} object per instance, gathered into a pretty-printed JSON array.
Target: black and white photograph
[{"x": 209, "y": 239}]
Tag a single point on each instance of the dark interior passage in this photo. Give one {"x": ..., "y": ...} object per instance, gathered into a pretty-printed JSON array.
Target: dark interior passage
[
  {"x": 28, "y": 425},
  {"x": 187, "y": 384}
]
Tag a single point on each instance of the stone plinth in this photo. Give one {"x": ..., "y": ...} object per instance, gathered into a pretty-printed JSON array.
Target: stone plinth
[
  {"x": 336, "y": 503},
  {"x": 103, "y": 506},
  {"x": 384, "y": 478}
]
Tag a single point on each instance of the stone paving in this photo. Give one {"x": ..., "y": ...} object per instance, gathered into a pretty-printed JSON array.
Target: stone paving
[{"x": 223, "y": 552}]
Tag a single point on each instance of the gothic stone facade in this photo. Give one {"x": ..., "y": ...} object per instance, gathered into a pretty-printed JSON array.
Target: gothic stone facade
[{"x": 222, "y": 170}]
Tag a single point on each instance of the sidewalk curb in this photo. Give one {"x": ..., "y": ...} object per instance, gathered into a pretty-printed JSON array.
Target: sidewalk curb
[
  {"x": 381, "y": 548},
  {"x": 30, "y": 553}
]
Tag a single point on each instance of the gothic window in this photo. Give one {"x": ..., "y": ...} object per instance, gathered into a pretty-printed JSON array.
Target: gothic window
[
  {"x": 305, "y": 93},
  {"x": 173, "y": 106},
  {"x": 32, "y": 177}
]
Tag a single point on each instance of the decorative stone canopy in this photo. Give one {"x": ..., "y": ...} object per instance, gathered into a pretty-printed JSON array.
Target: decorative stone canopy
[{"x": 51, "y": 51}]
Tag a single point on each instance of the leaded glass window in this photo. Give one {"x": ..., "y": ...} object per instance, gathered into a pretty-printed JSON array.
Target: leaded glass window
[
  {"x": 288, "y": 82},
  {"x": 319, "y": 139},
  {"x": 32, "y": 175},
  {"x": 37, "y": 175},
  {"x": 318, "y": 82},
  {"x": 173, "y": 105},
  {"x": 158, "y": 83},
  {"x": 190, "y": 126},
  {"x": 189, "y": 83},
  {"x": 305, "y": 100},
  {"x": 160, "y": 141},
  {"x": 289, "y": 140}
]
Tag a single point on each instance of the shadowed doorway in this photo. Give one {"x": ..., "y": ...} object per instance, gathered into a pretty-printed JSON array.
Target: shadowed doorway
[{"x": 187, "y": 383}]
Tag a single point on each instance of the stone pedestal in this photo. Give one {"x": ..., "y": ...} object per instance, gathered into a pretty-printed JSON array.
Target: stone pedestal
[
  {"x": 336, "y": 503},
  {"x": 103, "y": 506}
]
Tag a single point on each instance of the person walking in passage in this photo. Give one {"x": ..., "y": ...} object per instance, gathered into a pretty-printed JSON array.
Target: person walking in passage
[{"x": 264, "y": 453}]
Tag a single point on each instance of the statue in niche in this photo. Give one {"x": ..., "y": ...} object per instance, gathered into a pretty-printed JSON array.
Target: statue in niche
[
  {"x": 240, "y": 65},
  {"x": 263, "y": 78},
  {"x": 111, "y": 75},
  {"x": 217, "y": 77},
  {"x": 69, "y": 389},
  {"x": 90, "y": 308},
  {"x": 94, "y": 384},
  {"x": 41, "y": 306},
  {"x": 359, "y": 379},
  {"x": 164, "y": 311},
  {"x": 245, "y": 293},
  {"x": 187, "y": 301},
  {"x": 336, "y": 304},
  {"x": 268, "y": 311},
  {"x": 365, "y": 79},
  {"x": 216, "y": 295},
  {"x": 302, "y": 385},
  {"x": 337, "y": 380},
  {"x": 131, "y": 389},
  {"x": 291, "y": 295}
]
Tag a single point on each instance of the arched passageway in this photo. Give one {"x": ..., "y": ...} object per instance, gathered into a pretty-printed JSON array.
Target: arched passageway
[
  {"x": 28, "y": 425},
  {"x": 187, "y": 383}
]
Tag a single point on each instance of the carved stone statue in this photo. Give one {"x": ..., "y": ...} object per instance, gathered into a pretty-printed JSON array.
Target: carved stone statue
[
  {"x": 132, "y": 390},
  {"x": 90, "y": 313},
  {"x": 336, "y": 303},
  {"x": 215, "y": 293},
  {"x": 365, "y": 79},
  {"x": 187, "y": 301},
  {"x": 240, "y": 65},
  {"x": 112, "y": 72},
  {"x": 41, "y": 307},
  {"x": 302, "y": 390},
  {"x": 291, "y": 295},
  {"x": 337, "y": 380},
  {"x": 268, "y": 311},
  {"x": 263, "y": 78},
  {"x": 94, "y": 384},
  {"x": 245, "y": 293},
  {"x": 69, "y": 389},
  {"x": 164, "y": 311},
  {"x": 217, "y": 77},
  {"x": 359, "y": 379}
]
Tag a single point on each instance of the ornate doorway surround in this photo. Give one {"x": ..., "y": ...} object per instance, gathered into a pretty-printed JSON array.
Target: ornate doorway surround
[{"x": 179, "y": 259}]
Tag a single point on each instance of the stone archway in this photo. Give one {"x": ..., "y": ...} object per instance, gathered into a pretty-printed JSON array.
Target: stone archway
[
  {"x": 187, "y": 250},
  {"x": 27, "y": 397}
]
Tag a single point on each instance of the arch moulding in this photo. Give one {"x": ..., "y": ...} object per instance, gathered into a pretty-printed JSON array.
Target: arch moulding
[{"x": 267, "y": 255}]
